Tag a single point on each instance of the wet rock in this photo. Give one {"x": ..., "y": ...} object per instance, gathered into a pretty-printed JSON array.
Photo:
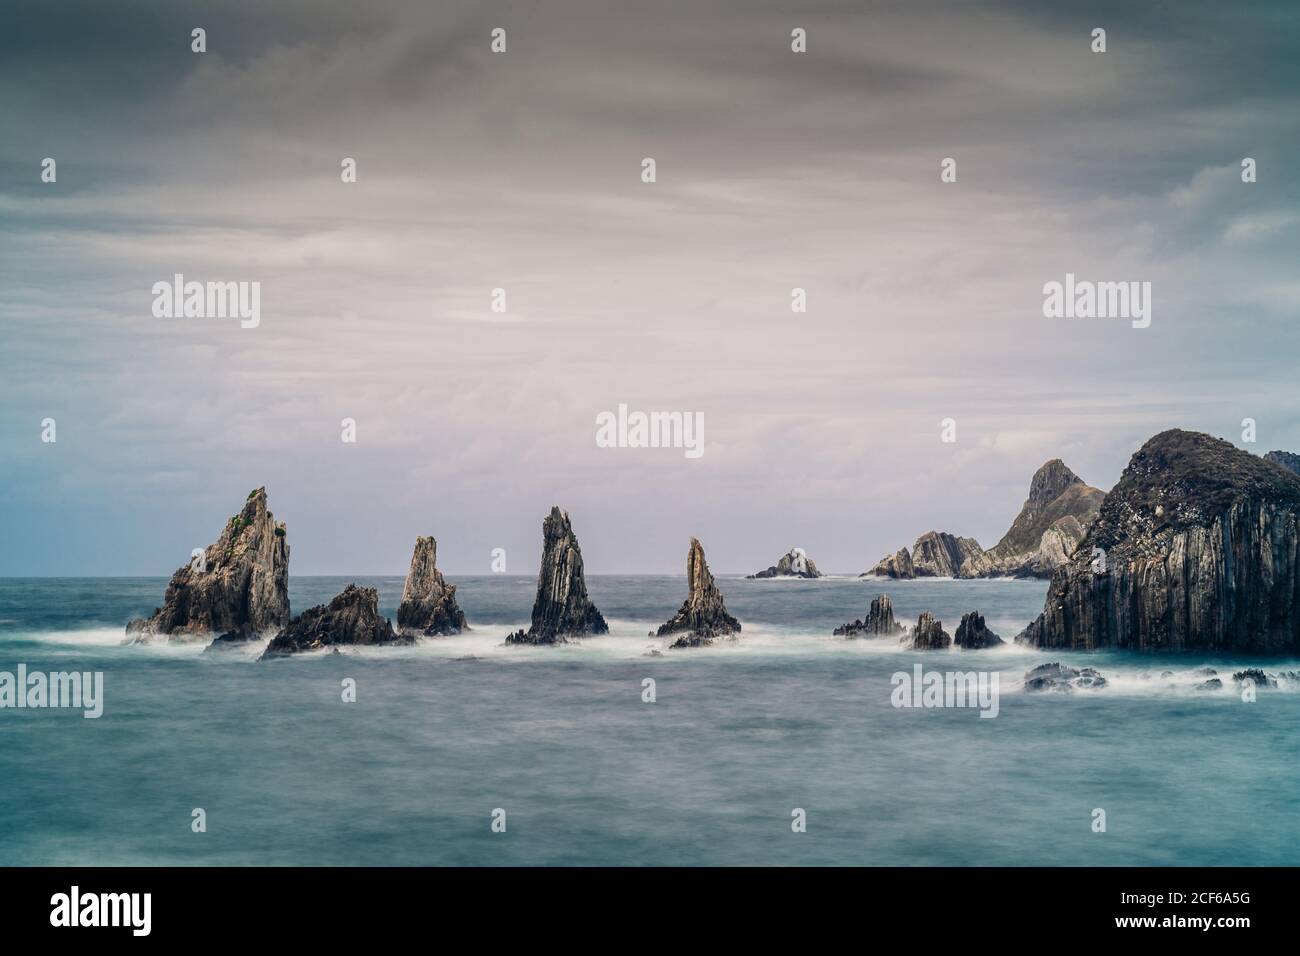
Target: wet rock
[
  {"x": 562, "y": 609},
  {"x": 428, "y": 601},
  {"x": 1256, "y": 676},
  {"x": 351, "y": 618},
  {"x": 879, "y": 623},
  {"x": 794, "y": 564},
  {"x": 972, "y": 634},
  {"x": 1062, "y": 678},
  {"x": 1212, "y": 684},
  {"x": 929, "y": 634},
  {"x": 703, "y": 617}
]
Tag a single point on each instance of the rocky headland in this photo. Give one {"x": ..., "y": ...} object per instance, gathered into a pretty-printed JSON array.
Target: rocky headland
[
  {"x": 241, "y": 586},
  {"x": 428, "y": 602},
  {"x": 795, "y": 563},
  {"x": 703, "y": 617},
  {"x": 562, "y": 609}
]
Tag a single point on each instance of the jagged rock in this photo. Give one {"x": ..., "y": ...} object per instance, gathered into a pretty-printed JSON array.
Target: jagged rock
[
  {"x": 1288, "y": 460},
  {"x": 562, "y": 608},
  {"x": 1202, "y": 552},
  {"x": 972, "y": 634},
  {"x": 1061, "y": 678},
  {"x": 703, "y": 617},
  {"x": 232, "y": 639},
  {"x": 352, "y": 617},
  {"x": 1047, "y": 531},
  {"x": 244, "y": 582},
  {"x": 1213, "y": 683},
  {"x": 879, "y": 623},
  {"x": 929, "y": 634},
  {"x": 1256, "y": 675},
  {"x": 428, "y": 601},
  {"x": 793, "y": 564}
]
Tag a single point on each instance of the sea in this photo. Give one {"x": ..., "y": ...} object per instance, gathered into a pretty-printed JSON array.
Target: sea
[{"x": 783, "y": 747}]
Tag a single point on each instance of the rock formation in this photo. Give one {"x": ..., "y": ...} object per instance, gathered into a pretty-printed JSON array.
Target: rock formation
[
  {"x": 352, "y": 617},
  {"x": 1197, "y": 548},
  {"x": 1061, "y": 678},
  {"x": 1049, "y": 527},
  {"x": 879, "y": 623},
  {"x": 973, "y": 635},
  {"x": 703, "y": 617},
  {"x": 1288, "y": 460},
  {"x": 428, "y": 601},
  {"x": 562, "y": 608},
  {"x": 793, "y": 564},
  {"x": 929, "y": 634},
  {"x": 241, "y": 584}
]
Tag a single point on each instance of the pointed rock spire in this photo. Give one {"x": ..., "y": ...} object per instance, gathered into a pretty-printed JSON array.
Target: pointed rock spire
[
  {"x": 704, "y": 615},
  {"x": 879, "y": 623},
  {"x": 562, "y": 608},
  {"x": 929, "y": 634},
  {"x": 428, "y": 601}
]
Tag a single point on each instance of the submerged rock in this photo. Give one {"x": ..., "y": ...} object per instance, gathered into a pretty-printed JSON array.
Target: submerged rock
[
  {"x": 793, "y": 564},
  {"x": 428, "y": 601},
  {"x": 703, "y": 617},
  {"x": 1213, "y": 683},
  {"x": 241, "y": 583},
  {"x": 352, "y": 617},
  {"x": 929, "y": 634},
  {"x": 1202, "y": 552},
  {"x": 232, "y": 639},
  {"x": 1059, "y": 677},
  {"x": 562, "y": 609},
  {"x": 879, "y": 623},
  {"x": 972, "y": 634}
]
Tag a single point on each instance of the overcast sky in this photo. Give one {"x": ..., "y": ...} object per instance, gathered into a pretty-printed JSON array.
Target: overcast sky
[{"x": 522, "y": 171}]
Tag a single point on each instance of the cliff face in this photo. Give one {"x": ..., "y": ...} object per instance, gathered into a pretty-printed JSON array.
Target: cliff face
[
  {"x": 428, "y": 601},
  {"x": 562, "y": 608},
  {"x": 244, "y": 585},
  {"x": 1288, "y": 460},
  {"x": 703, "y": 616},
  {"x": 793, "y": 564},
  {"x": 1049, "y": 527},
  {"x": 351, "y": 618},
  {"x": 1201, "y": 545}
]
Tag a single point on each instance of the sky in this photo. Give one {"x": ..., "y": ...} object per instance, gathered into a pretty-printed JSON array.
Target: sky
[{"x": 522, "y": 171}]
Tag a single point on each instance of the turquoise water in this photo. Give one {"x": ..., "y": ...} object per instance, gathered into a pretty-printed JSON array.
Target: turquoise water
[{"x": 740, "y": 734}]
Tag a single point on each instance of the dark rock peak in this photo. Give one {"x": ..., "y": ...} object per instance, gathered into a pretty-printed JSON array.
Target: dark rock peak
[
  {"x": 795, "y": 563},
  {"x": 929, "y": 634},
  {"x": 1288, "y": 460},
  {"x": 972, "y": 633},
  {"x": 352, "y": 618},
  {"x": 428, "y": 601},
  {"x": 1049, "y": 483},
  {"x": 1062, "y": 678},
  {"x": 562, "y": 608},
  {"x": 703, "y": 617},
  {"x": 879, "y": 623}
]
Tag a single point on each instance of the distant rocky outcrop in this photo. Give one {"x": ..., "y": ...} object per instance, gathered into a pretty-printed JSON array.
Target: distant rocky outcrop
[
  {"x": 703, "y": 617},
  {"x": 1196, "y": 548},
  {"x": 1288, "y": 460},
  {"x": 1062, "y": 678},
  {"x": 929, "y": 634},
  {"x": 241, "y": 584},
  {"x": 428, "y": 601},
  {"x": 351, "y": 618},
  {"x": 972, "y": 633},
  {"x": 795, "y": 563},
  {"x": 1049, "y": 527},
  {"x": 879, "y": 623},
  {"x": 562, "y": 609}
]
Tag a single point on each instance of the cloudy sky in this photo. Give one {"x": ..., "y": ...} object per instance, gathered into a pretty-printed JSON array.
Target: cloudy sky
[{"x": 522, "y": 171}]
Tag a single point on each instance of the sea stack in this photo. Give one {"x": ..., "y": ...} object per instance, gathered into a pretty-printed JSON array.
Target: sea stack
[
  {"x": 428, "y": 601},
  {"x": 1197, "y": 548},
  {"x": 973, "y": 635},
  {"x": 795, "y": 563},
  {"x": 703, "y": 617},
  {"x": 929, "y": 634},
  {"x": 562, "y": 609},
  {"x": 241, "y": 585},
  {"x": 351, "y": 618},
  {"x": 879, "y": 623}
]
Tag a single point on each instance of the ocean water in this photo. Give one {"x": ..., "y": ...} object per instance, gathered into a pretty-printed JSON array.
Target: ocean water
[{"x": 740, "y": 735}]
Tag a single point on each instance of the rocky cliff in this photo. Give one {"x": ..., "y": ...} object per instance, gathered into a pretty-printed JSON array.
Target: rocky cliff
[
  {"x": 703, "y": 617},
  {"x": 241, "y": 585},
  {"x": 428, "y": 601},
  {"x": 562, "y": 608},
  {"x": 793, "y": 564},
  {"x": 1288, "y": 460},
  {"x": 351, "y": 618},
  {"x": 1049, "y": 527},
  {"x": 1196, "y": 548},
  {"x": 879, "y": 623}
]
